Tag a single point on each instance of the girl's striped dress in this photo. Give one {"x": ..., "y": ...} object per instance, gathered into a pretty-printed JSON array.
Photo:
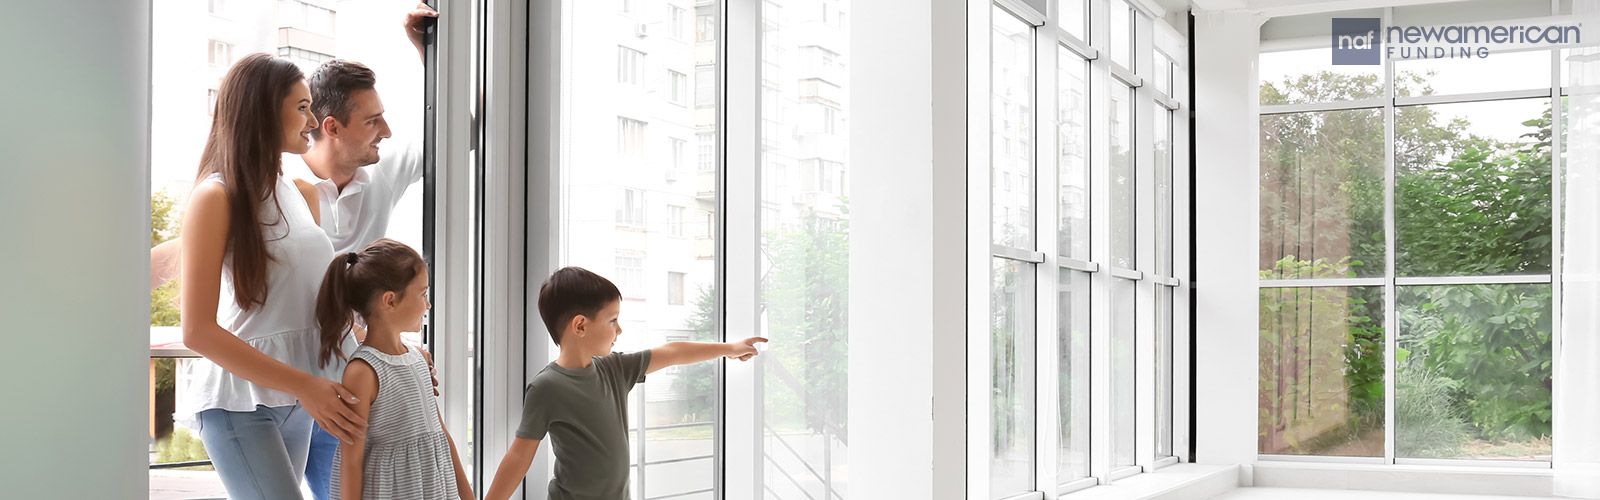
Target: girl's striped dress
[{"x": 407, "y": 453}]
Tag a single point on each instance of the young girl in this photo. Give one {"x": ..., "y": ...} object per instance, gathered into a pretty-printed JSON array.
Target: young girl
[{"x": 406, "y": 452}]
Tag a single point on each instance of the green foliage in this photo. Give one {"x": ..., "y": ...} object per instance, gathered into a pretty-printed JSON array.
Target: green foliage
[
  {"x": 164, "y": 223},
  {"x": 1428, "y": 421},
  {"x": 180, "y": 447},
  {"x": 698, "y": 382}
]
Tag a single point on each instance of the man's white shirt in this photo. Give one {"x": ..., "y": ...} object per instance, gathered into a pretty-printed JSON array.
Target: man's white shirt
[{"x": 359, "y": 215}]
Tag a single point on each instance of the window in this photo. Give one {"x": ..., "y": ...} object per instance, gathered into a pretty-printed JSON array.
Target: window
[
  {"x": 706, "y": 156},
  {"x": 630, "y": 66},
  {"x": 211, "y": 101},
  {"x": 1120, "y": 38},
  {"x": 664, "y": 96},
  {"x": 1013, "y": 336},
  {"x": 677, "y": 22},
  {"x": 679, "y": 149},
  {"x": 678, "y": 84},
  {"x": 630, "y": 209},
  {"x": 1122, "y": 178},
  {"x": 218, "y": 7},
  {"x": 1466, "y": 252},
  {"x": 630, "y": 137},
  {"x": 307, "y": 60},
  {"x": 221, "y": 53},
  {"x": 630, "y": 277},
  {"x": 675, "y": 222},
  {"x": 305, "y": 16},
  {"x": 675, "y": 288}
]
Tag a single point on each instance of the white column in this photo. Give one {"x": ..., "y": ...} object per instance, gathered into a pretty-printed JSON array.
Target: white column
[
  {"x": 908, "y": 222},
  {"x": 1226, "y": 218},
  {"x": 77, "y": 205}
]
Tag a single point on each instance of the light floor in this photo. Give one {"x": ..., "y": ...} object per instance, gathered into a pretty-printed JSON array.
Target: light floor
[{"x": 1315, "y": 494}]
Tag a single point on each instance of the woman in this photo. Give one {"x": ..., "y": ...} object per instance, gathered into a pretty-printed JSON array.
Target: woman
[{"x": 252, "y": 255}]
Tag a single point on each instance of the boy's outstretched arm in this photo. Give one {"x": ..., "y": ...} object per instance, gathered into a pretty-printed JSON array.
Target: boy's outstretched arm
[
  {"x": 512, "y": 469},
  {"x": 683, "y": 353}
]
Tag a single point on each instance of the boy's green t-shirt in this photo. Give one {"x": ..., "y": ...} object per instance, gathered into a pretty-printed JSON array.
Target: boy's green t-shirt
[{"x": 585, "y": 413}]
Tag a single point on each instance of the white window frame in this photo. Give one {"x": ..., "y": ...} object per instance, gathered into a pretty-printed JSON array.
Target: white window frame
[{"x": 631, "y": 63}]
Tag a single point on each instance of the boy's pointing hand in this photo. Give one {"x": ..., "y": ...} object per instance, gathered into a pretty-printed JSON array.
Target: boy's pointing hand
[{"x": 745, "y": 349}]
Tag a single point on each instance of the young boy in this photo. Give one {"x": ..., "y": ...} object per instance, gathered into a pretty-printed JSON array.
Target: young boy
[{"x": 581, "y": 400}]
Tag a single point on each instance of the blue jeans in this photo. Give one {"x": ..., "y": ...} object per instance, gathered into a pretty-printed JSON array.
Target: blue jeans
[
  {"x": 258, "y": 454},
  {"x": 319, "y": 464}
]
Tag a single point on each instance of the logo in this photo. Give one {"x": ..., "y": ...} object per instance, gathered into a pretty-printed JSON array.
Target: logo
[{"x": 1357, "y": 41}]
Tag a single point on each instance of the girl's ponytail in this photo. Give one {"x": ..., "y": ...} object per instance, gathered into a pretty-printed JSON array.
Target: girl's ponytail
[{"x": 334, "y": 311}]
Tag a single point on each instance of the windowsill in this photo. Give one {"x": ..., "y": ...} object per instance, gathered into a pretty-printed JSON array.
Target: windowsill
[
  {"x": 1158, "y": 484},
  {"x": 1413, "y": 478}
]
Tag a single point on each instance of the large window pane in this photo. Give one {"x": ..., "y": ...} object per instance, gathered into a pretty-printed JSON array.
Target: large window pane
[
  {"x": 1164, "y": 333},
  {"x": 1163, "y": 189},
  {"x": 624, "y": 137},
  {"x": 1322, "y": 371},
  {"x": 1124, "y": 390},
  {"x": 1500, "y": 71},
  {"x": 1120, "y": 34},
  {"x": 1073, "y": 371},
  {"x": 1011, "y": 126},
  {"x": 805, "y": 245},
  {"x": 1011, "y": 420},
  {"x": 1123, "y": 181},
  {"x": 1074, "y": 14},
  {"x": 1072, "y": 129},
  {"x": 1474, "y": 370},
  {"x": 1322, "y": 195},
  {"x": 1307, "y": 76},
  {"x": 1472, "y": 193}
]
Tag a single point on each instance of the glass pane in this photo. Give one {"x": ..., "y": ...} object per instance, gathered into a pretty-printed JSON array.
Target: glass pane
[
  {"x": 1474, "y": 372},
  {"x": 1502, "y": 71},
  {"x": 1120, "y": 34},
  {"x": 1122, "y": 178},
  {"x": 193, "y": 45},
  {"x": 1163, "y": 74},
  {"x": 1164, "y": 333},
  {"x": 1163, "y": 180},
  {"x": 622, "y": 171},
  {"x": 1472, "y": 193},
  {"x": 1322, "y": 195},
  {"x": 1124, "y": 391},
  {"x": 1011, "y": 344},
  {"x": 805, "y": 249},
  {"x": 1308, "y": 76},
  {"x": 1011, "y": 125},
  {"x": 1322, "y": 371},
  {"x": 1073, "y": 383},
  {"x": 1072, "y": 120},
  {"x": 1074, "y": 13}
]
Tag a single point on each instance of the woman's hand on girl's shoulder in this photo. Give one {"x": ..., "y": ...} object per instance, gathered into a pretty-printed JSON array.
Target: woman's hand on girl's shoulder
[{"x": 329, "y": 403}]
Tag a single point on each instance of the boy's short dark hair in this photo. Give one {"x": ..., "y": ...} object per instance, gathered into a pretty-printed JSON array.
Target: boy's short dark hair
[
  {"x": 572, "y": 291},
  {"x": 331, "y": 86}
]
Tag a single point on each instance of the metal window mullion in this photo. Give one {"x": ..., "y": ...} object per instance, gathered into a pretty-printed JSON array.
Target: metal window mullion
[
  {"x": 1473, "y": 97},
  {"x": 1100, "y": 283},
  {"x": 1390, "y": 319},
  {"x": 1284, "y": 109},
  {"x": 1077, "y": 264},
  {"x": 1126, "y": 75},
  {"x": 1473, "y": 280},
  {"x": 1046, "y": 201},
  {"x": 1014, "y": 253},
  {"x": 1305, "y": 283},
  {"x": 1558, "y": 165},
  {"x": 740, "y": 465}
]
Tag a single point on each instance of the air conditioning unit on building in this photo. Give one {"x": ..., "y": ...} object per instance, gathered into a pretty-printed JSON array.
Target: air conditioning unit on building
[
  {"x": 673, "y": 175},
  {"x": 641, "y": 30}
]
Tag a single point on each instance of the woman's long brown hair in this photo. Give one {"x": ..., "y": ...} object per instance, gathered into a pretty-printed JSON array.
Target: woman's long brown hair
[
  {"x": 244, "y": 146},
  {"x": 353, "y": 280}
]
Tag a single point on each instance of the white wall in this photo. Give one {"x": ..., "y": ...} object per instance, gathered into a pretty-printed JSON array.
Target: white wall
[
  {"x": 1226, "y": 231},
  {"x": 76, "y": 225},
  {"x": 907, "y": 249}
]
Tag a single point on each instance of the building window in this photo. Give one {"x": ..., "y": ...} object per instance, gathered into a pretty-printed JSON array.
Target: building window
[
  {"x": 630, "y": 137},
  {"x": 218, "y": 7},
  {"x": 221, "y": 53},
  {"x": 679, "y": 148},
  {"x": 304, "y": 16},
  {"x": 307, "y": 60},
  {"x": 678, "y": 22},
  {"x": 630, "y": 209},
  {"x": 630, "y": 66},
  {"x": 706, "y": 144},
  {"x": 211, "y": 101},
  {"x": 630, "y": 276},
  {"x": 678, "y": 84},
  {"x": 707, "y": 226},
  {"x": 705, "y": 28},
  {"x": 675, "y": 220},
  {"x": 629, "y": 5},
  {"x": 705, "y": 86},
  {"x": 675, "y": 288}
]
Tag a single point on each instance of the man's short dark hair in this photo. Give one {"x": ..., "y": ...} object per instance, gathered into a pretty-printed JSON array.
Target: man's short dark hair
[
  {"x": 572, "y": 291},
  {"x": 332, "y": 84}
]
